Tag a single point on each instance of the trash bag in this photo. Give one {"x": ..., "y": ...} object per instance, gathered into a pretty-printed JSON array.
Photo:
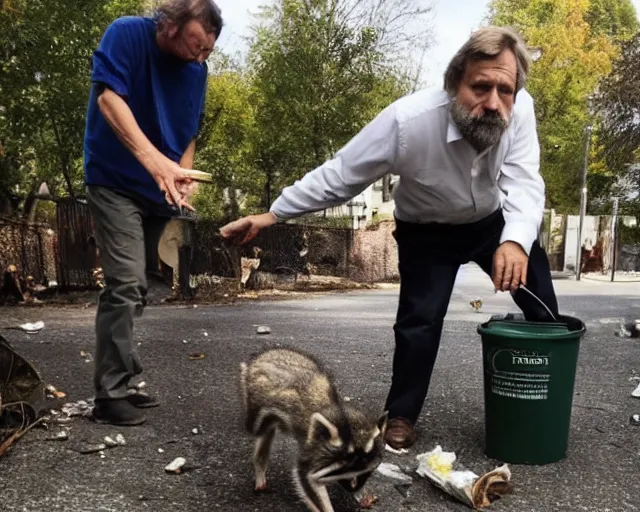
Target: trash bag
[{"x": 22, "y": 391}]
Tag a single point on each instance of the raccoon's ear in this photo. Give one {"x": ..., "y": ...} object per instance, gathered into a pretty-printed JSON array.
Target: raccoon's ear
[
  {"x": 377, "y": 431},
  {"x": 382, "y": 422},
  {"x": 320, "y": 427}
]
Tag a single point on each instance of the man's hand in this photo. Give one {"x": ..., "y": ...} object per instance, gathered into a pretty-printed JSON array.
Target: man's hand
[
  {"x": 509, "y": 267},
  {"x": 245, "y": 229},
  {"x": 171, "y": 179}
]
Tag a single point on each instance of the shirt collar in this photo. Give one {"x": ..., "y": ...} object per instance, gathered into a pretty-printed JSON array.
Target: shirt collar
[{"x": 453, "y": 134}]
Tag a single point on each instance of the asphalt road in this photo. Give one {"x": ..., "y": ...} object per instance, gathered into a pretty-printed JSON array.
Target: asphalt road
[{"x": 352, "y": 333}]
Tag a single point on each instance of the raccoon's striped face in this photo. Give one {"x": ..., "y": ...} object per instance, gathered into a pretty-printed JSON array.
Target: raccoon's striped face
[{"x": 348, "y": 459}]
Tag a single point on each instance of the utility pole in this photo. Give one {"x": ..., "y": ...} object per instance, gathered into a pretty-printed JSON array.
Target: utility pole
[
  {"x": 614, "y": 236},
  {"x": 583, "y": 203}
]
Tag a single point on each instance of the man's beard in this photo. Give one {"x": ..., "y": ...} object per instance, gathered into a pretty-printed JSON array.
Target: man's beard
[{"x": 481, "y": 131}]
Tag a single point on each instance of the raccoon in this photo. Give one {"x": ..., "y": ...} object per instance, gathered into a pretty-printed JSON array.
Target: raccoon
[{"x": 289, "y": 390}]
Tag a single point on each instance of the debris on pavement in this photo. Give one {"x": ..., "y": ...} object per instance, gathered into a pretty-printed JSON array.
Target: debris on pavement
[
  {"x": 636, "y": 392},
  {"x": 476, "y": 491},
  {"x": 263, "y": 329},
  {"x": 112, "y": 443},
  {"x": 87, "y": 357},
  {"x": 635, "y": 420},
  {"x": 176, "y": 465},
  {"x": 393, "y": 471},
  {"x": 63, "y": 435},
  {"x": 198, "y": 356},
  {"x": 92, "y": 448},
  {"x": 52, "y": 392},
  {"x": 629, "y": 329},
  {"x": 476, "y": 304},
  {"x": 32, "y": 328},
  {"x": 401, "y": 451},
  {"x": 79, "y": 408},
  {"x": 368, "y": 501}
]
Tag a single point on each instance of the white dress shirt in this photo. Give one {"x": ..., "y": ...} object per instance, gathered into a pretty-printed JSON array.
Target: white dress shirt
[{"x": 441, "y": 177}]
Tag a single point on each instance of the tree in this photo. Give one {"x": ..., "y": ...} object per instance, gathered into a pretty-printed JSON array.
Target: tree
[
  {"x": 44, "y": 87},
  {"x": 226, "y": 143},
  {"x": 578, "y": 39},
  {"x": 617, "y": 105},
  {"x": 323, "y": 69}
]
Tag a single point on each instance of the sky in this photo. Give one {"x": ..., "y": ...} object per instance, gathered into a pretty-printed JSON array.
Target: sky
[{"x": 453, "y": 21}]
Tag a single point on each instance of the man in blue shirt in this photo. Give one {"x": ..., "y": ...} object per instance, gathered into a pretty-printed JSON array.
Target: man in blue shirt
[{"x": 149, "y": 80}]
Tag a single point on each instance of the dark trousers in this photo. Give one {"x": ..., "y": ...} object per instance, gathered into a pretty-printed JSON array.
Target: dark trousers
[
  {"x": 429, "y": 258},
  {"x": 127, "y": 233}
]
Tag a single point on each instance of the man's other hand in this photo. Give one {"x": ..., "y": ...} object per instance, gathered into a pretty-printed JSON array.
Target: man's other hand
[
  {"x": 509, "y": 267},
  {"x": 245, "y": 229}
]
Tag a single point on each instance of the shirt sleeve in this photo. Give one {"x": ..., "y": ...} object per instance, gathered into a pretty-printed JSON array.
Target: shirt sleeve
[
  {"x": 520, "y": 180},
  {"x": 113, "y": 60},
  {"x": 367, "y": 157}
]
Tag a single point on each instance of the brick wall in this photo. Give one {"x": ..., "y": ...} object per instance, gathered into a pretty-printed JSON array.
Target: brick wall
[{"x": 374, "y": 255}]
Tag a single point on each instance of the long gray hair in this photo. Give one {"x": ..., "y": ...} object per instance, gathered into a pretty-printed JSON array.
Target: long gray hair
[
  {"x": 488, "y": 43},
  {"x": 181, "y": 12}
]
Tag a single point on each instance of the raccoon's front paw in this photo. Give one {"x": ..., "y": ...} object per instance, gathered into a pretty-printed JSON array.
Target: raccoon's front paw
[{"x": 261, "y": 484}]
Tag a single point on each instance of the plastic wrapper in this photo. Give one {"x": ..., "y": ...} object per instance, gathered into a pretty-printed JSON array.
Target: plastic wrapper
[{"x": 477, "y": 491}]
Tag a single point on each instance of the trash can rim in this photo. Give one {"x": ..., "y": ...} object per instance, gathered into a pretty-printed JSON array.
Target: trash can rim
[{"x": 487, "y": 328}]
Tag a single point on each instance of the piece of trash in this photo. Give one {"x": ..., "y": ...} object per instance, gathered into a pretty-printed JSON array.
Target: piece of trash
[
  {"x": 141, "y": 385},
  {"x": 110, "y": 443},
  {"x": 623, "y": 332},
  {"x": 206, "y": 333},
  {"x": 176, "y": 465},
  {"x": 54, "y": 393},
  {"x": 476, "y": 491},
  {"x": 635, "y": 420},
  {"x": 120, "y": 440},
  {"x": 263, "y": 329},
  {"x": 92, "y": 448},
  {"x": 32, "y": 328},
  {"x": 636, "y": 392},
  {"x": 79, "y": 408},
  {"x": 184, "y": 341},
  {"x": 393, "y": 471},
  {"x": 195, "y": 431},
  {"x": 160, "y": 450},
  {"x": 368, "y": 501},
  {"x": 63, "y": 435},
  {"x": 401, "y": 451},
  {"x": 347, "y": 399},
  {"x": 197, "y": 356},
  {"x": 476, "y": 304}
]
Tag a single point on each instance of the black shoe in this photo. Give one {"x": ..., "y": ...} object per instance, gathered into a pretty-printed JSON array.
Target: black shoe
[
  {"x": 118, "y": 411},
  {"x": 141, "y": 400}
]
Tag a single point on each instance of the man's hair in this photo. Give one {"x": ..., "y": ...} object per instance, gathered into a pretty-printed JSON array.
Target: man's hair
[
  {"x": 181, "y": 12},
  {"x": 484, "y": 44}
]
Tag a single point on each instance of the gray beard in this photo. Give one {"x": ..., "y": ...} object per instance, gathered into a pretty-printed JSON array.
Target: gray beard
[{"x": 481, "y": 132}]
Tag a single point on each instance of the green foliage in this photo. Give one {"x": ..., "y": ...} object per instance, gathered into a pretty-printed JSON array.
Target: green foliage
[
  {"x": 578, "y": 42},
  {"x": 321, "y": 78},
  {"x": 44, "y": 83}
]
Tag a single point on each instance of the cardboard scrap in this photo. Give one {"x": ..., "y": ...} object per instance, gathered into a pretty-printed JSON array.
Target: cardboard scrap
[{"x": 478, "y": 492}]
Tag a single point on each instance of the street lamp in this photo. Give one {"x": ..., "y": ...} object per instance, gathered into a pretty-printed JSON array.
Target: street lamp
[{"x": 583, "y": 190}]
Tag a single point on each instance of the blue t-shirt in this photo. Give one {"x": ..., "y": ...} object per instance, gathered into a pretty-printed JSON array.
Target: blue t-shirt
[{"x": 165, "y": 94}]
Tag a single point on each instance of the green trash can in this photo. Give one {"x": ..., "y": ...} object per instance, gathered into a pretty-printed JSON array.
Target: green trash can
[{"x": 529, "y": 375}]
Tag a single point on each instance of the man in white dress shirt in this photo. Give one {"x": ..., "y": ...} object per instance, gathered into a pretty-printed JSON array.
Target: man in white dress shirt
[{"x": 469, "y": 189}]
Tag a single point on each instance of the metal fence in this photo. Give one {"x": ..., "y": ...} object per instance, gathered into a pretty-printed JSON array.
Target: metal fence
[{"x": 77, "y": 255}]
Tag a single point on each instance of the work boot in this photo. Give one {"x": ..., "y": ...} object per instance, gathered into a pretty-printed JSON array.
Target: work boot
[
  {"x": 400, "y": 434},
  {"x": 117, "y": 411}
]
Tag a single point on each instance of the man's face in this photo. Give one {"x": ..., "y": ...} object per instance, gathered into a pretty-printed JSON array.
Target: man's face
[
  {"x": 191, "y": 43},
  {"x": 482, "y": 106}
]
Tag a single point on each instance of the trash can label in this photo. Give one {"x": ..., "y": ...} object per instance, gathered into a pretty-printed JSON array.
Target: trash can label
[{"x": 520, "y": 374}]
